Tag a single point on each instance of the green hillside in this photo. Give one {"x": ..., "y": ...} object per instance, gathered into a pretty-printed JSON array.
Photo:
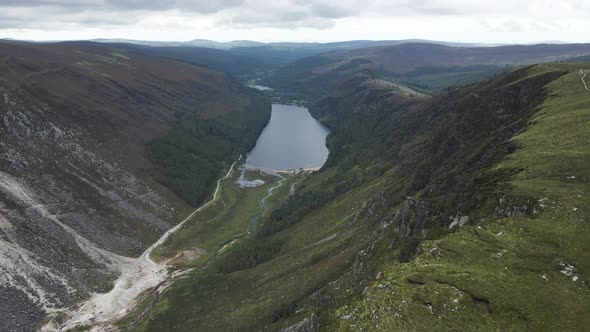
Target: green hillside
[
  {"x": 462, "y": 211},
  {"x": 520, "y": 267}
]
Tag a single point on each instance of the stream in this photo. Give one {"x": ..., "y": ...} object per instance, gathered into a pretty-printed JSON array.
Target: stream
[{"x": 254, "y": 219}]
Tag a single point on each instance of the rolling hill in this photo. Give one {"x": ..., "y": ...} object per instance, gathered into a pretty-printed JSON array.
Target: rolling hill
[
  {"x": 247, "y": 60},
  {"x": 426, "y": 67}
]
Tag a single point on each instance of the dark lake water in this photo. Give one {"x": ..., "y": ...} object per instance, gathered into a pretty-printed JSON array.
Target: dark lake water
[{"x": 292, "y": 139}]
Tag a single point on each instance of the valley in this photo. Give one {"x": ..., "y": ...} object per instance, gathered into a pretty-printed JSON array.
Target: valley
[
  {"x": 188, "y": 248},
  {"x": 396, "y": 244},
  {"x": 142, "y": 191}
]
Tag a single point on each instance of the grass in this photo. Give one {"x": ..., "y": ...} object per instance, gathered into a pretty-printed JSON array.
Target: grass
[
  {"x": 493, "y": 274},
  {"x": 259, "y": 297},
  {"x": 227, "y": 218},
  {"x": 437, "y": 80},
  {"x": 507, "y": 274}
]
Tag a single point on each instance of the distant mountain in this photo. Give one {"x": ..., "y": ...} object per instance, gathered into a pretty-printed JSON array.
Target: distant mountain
[
  {"x": 243, "y": 66},
  {"x": 427, "y": 67},
  {"x": 245, "y": 60},
  {"x": 319, "y": 47},
  {"x": 222, "y": 45},
  {"x": 196, "y": 43},
  {"x": 137, "y": 42}
]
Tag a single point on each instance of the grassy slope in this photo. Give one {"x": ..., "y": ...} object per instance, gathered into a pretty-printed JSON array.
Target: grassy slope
[
  {"x": 258, "y": 298},
  {"x": 370, "y": 208},
  {"x": 228, "y": 218},
  {"x": 477, "y": 279}
]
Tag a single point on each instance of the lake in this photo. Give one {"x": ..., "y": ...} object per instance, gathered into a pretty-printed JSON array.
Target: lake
[{"x": 292, "y": 139}]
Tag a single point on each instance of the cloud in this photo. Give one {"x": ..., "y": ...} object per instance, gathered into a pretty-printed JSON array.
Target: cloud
[
  {"x": 198, "y": 6},
  {"x": 237, "y": 19}
]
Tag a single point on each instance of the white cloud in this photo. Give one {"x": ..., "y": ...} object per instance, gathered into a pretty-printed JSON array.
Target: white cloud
[{"x": 297, "y": 20}]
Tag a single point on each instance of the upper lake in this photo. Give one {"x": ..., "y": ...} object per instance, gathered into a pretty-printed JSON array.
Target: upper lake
[{"x": 292, "y": 139}]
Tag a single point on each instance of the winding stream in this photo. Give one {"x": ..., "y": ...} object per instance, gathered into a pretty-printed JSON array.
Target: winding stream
[{"x": 254, "y": 219}]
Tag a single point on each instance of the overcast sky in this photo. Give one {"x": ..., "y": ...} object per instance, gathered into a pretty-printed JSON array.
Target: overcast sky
[{"x": 498, "y": 21}]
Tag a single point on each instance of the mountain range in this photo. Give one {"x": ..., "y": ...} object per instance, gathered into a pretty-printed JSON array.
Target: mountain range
[{"x": 455, "y": 195}]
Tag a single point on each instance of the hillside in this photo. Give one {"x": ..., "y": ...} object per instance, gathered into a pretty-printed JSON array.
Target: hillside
[
  {"x": 462, "y": 211},
  {"x": 246, "y": 60},
  {"x": 243, "y": 65},
  {"x": 425, "y": 67},
  {"x": 92, "y": 167},
  {"x": 518, "y": 261}
]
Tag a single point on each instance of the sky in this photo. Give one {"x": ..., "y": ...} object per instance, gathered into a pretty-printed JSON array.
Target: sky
[{"x": 480, "y": 21}]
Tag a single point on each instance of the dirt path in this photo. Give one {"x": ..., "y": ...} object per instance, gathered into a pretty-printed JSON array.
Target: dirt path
[
  {"x": 136, "y": 277},
  {"x": 156, "y": 293},
  {"x": 583, "y": 78}
]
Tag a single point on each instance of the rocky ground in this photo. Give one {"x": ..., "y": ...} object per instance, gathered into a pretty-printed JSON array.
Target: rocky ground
[
  {"x": 63, "y": 209},
  {"x": 79, "y": 194}
]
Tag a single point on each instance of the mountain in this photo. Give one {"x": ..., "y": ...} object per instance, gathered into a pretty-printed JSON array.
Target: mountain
[
  {"x": 245, "y": 60},
  {"x": 205, "y": 43},
  {"x": 242, "y": 63},
  {"x": 461, "y": 211},
  {"x": 102, "y": 150},
  {"x": 222, "y": 45},
  {"x": 425, "y": 67},
  {"x": 320, "y": 47}
]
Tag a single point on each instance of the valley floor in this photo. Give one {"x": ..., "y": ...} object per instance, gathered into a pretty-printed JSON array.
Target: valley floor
[
  {"x": 363, "y": 259},
  {"x": 241, "y": 198}
]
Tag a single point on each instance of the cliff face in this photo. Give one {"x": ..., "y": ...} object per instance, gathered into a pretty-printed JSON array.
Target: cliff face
[{"x": 78, "y": 189}]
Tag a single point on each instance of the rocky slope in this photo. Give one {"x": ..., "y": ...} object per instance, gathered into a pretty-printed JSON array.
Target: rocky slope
[{"x": 78, "y": 189}]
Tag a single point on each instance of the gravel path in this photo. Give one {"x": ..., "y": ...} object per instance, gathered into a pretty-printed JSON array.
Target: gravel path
[
  {"x": 584, "y": 74},
  {"x": 139, "y": 275}
]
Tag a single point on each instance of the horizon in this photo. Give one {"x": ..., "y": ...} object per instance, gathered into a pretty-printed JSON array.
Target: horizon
[{"x": 408, "y": 40}]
